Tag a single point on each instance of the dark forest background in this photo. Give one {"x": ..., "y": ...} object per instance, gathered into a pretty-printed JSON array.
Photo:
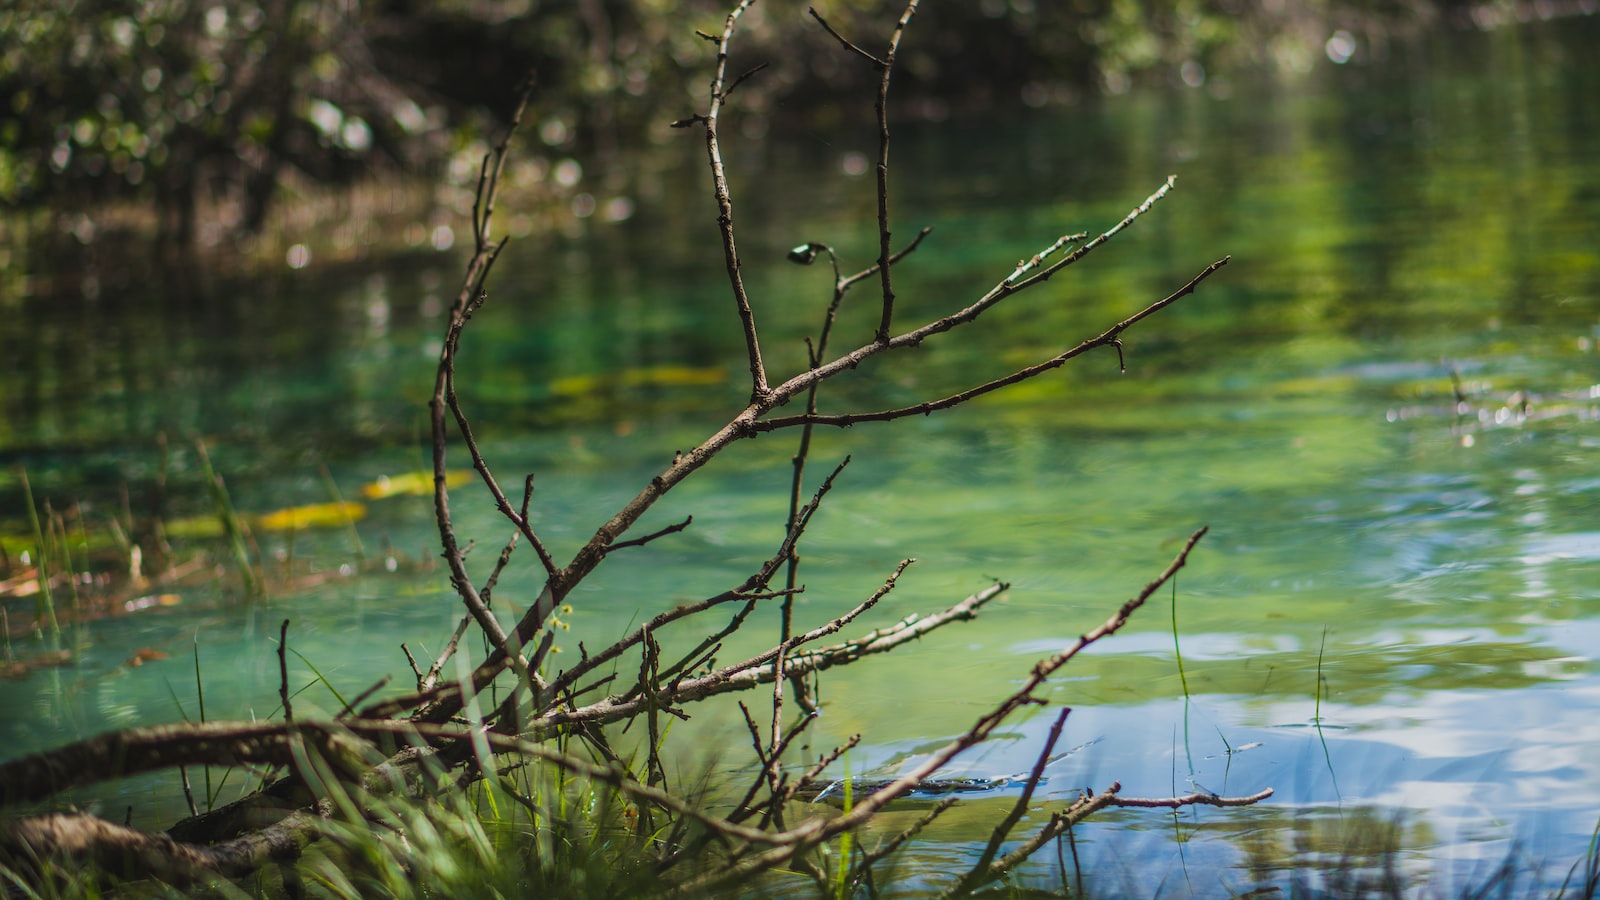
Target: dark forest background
[{"x": 184, "y": 105}]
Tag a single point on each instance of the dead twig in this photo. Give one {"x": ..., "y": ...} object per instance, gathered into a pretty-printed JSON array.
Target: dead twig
[
  {"x": 283, "y": 671},
  {"x": 1110, "y": 337},
  {"x": 719, "y": 179},
  {"x": 817, "y": 831},
  {"x": 980, "y": 868}
]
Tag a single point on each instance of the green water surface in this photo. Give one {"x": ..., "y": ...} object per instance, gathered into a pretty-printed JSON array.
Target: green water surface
[{"x": 1392, "y": 620}]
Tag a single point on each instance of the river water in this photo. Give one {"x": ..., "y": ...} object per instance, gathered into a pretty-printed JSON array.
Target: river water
[{"x": 1384, "y": 408}]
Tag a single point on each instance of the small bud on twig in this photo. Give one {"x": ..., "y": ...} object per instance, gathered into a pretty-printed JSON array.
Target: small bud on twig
[{"x": 806, "y": 253}]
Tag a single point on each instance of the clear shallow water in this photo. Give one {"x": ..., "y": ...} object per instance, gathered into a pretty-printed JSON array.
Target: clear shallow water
[{"x": 1433, "y": 562}]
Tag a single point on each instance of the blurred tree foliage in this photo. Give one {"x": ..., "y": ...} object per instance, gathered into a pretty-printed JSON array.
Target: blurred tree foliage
[
  {"x": 187, "y": 102},
  {"x": 167, "y": 99}
]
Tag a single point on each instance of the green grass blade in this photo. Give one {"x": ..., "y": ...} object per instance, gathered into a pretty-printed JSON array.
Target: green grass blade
[
  {"x": 321, "y": 678},
  {"x": 842, "y": 877},
  {"x": 46, "y": 605}
]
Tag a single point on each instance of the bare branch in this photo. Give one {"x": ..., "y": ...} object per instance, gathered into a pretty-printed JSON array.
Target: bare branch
[
  {"x": 412, "y": 660},
  {"x": 817, "y": 831},
  {"x": 885, "y": 67},
  {"x": 1038, "y": 259},
  {"x": 1107, "y": 235},
  {"x": 996, "y": 294},
  {"x": 122, "y": 753},
  {"x": 1110, "y": 337},
  {"x": 719, "y": 180},
  {"x": 1062, "y": 821},
  {"x": 801, "y": 786},
  {"x": 445, "y": 655},
  {"x": 640, "y": 542},
  {"x": 283, "y": 671},
  {"x": 1018, "y": 809},
  {"x": 544, "y": 649},
  {"x": 755, "y": 737},
  {"x": 815, "y": 354},
  {"x": 863, "y": 871},
  {"x": 483, "y": 203},
  {"x": 756, "y": 582},
  {"x": 742, "y": 78},
  {"x": 470, "y": 298},
  {"x": 798, "y": 728},
  {"x": 872, "y": 270},
  {"x": 884, "y": 268},
  {"x": 523, "y": 524},
  {"x": 90, "y": 840},
  {"x": 487, "y": 592},
  {"x": 1190, "y": 800},
  {"x": 841, "y": 38},
  {"x": 747, "y": 424},
  {"x": 231, "y": 743},
  {"x": 751, "y": 673},
  {"x": 569, "y": 677},
  {"x": 350, "y": 705},
  {"x": 831, "y": 627}
]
